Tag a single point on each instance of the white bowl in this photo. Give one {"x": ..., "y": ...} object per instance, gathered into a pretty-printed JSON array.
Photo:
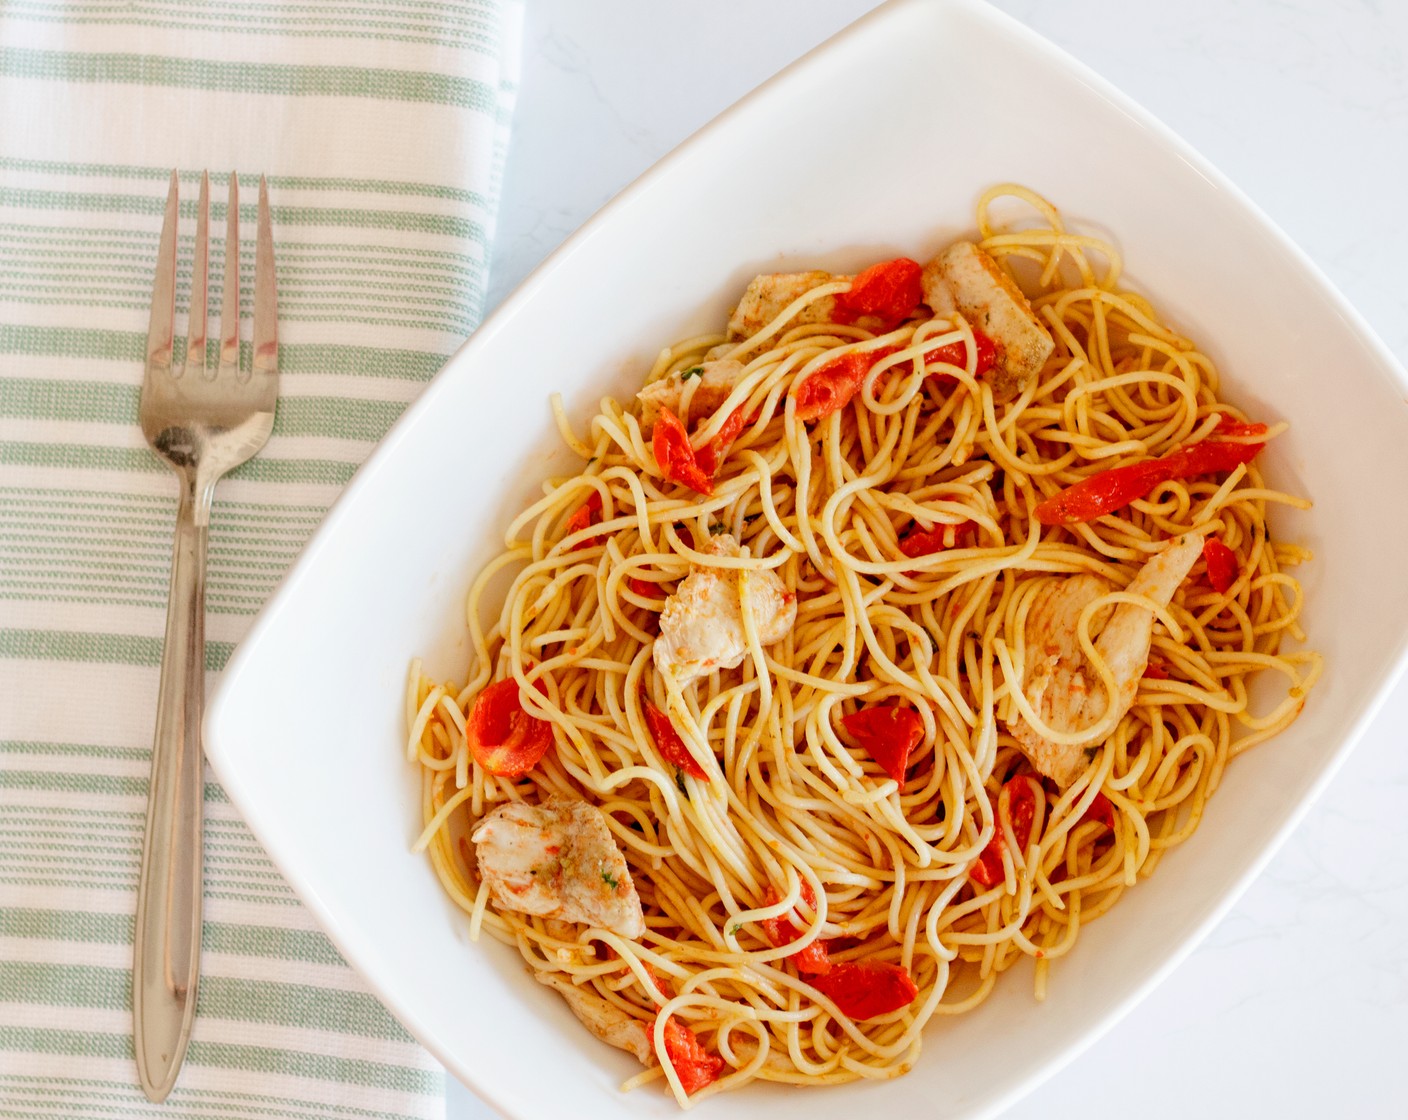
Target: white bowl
[{"x": 878, "y": 143}]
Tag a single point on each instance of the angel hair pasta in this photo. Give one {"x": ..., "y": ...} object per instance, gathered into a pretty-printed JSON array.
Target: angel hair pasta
[{"x": 882, "y": 640}]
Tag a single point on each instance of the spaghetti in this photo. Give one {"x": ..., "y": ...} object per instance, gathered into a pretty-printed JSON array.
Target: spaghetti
[{"x": 959, "y": 717}]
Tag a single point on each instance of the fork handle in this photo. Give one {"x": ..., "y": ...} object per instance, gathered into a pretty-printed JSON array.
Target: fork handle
[{"x": 166, "y": 944}]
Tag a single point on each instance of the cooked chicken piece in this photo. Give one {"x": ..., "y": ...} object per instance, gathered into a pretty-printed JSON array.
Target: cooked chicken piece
[
  {"x": 557, "y": 860},
  {"x": 1055, "y": 681},
  {"x": 603, "y": 1018},
  {"x": 696, "y": 396},
  {"x": 768, "y": 296},
  {"x": 966, "y": 279},
  {"x": 1060, "y": 684},
  {"x": 1124, "y": 642},
  {"x": 701, "y": 626}
]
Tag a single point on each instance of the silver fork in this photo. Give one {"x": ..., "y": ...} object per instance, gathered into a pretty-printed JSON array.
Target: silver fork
[{"x": 203, "y": 423}]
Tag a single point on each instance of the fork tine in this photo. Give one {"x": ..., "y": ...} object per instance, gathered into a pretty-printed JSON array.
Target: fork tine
[
  {"x": 199, "y": 325},
  {"x": 266, "y": 305},
  {"x": 230, "y": 295},
  {"x": 161, "y": 328}
]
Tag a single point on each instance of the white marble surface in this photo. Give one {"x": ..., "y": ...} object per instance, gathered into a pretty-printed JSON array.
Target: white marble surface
[{"x": 1297, "y": 1005}]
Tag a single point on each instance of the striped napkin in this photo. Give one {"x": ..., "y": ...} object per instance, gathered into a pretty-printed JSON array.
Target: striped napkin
[{"x": 382, "y": 126}]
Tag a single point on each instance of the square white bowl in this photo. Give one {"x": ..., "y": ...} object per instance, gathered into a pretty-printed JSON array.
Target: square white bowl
[{"x": 877, "y": 143}]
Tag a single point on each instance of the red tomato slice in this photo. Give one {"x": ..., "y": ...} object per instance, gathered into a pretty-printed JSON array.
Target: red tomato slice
[
  {"x": 926, "y": 542},
  {"x": 831, "y": 387},
  {"x": 890, "y": 290},
  {"x": 814, "y": 959},
  {"x": 664, "y": 987},
  {"x": 675, "y": 457},
  {"x": 1021, "y": 808},
  {"x": 1100, "y": 810},
  {"x": 1211, "y": 456},
  {"x": 865, "y": 989},
  {"x": 711, "y": 456},
  {"x": 1222, "y": 566},
  {"x": 645, "y": 588},
  {"x": 584, "y": 517},
  {"x": 503, "y": 738},
  {"x": 1229, "y": 427},
  {"x": 1156, "y": 671},
  {"x": 987, "y": 868},
  {"x": 1102, "y": 493},
  {"x": 835, "y": 384},
  {"x": 1016, "y": 804},
  {"x": 1115, "y": 488},
  {"x": 956, "y": 353},
  {"x": 669, "y": 743},
  {"x": 889, "y": 733},
  {"x": 694, "y": 1065}
]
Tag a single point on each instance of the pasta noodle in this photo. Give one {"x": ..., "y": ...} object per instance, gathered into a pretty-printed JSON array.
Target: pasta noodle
[{"x": 904, "y": 524}]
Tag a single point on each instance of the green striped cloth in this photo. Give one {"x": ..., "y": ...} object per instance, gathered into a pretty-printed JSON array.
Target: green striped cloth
[{"x": 382, "y": 126}]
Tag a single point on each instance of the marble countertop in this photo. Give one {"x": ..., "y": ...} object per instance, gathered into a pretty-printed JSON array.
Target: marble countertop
[{"x": 1297, "y": 1004}]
